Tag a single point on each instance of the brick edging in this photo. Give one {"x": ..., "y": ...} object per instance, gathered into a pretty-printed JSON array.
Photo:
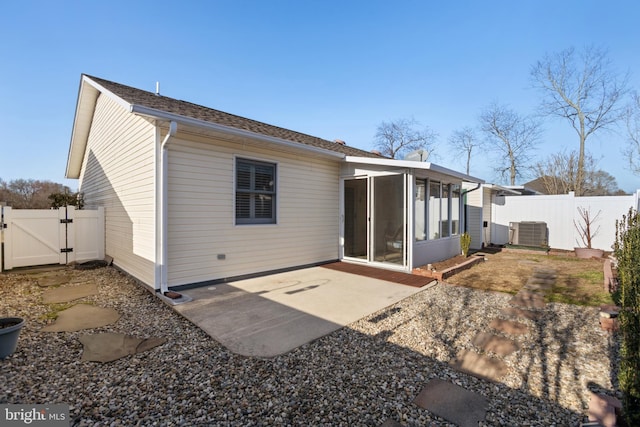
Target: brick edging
[{"x": 441, "y": 275}]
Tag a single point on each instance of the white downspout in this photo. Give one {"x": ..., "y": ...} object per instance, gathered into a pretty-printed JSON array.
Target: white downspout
[
  {"x": 463, "y": 204},
  {"x": 164, "y": 207}
]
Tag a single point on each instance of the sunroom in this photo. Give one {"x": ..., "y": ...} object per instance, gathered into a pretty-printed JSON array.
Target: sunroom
[{"x": 400, "y": 214}]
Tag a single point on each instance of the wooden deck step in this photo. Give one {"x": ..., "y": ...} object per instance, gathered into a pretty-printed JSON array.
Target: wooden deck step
[{"x": 381, "y": 274}]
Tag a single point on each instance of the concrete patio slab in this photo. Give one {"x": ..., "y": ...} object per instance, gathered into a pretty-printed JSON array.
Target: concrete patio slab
[
  {"x": 271, "y": 315},
  {"x": 82, "y": 316},
  {"x": 108, "y": 346},
  {"x": 453, "y": 403},
  {"x": 68, "y": 293}
]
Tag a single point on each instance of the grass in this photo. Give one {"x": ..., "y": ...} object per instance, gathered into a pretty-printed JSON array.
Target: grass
[
  {"x": 55, "y": 309},
  {"x": 578, "y": 281}
]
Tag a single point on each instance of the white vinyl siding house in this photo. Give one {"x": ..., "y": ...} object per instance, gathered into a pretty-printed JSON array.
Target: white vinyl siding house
[
  {"x": 166, "y": 172},
  {"x": 202, "y": 225},
  {"x": 118, "y": 174}
]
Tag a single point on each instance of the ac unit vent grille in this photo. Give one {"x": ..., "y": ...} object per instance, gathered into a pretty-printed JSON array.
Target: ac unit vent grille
[{"x": 528, "y": 233}]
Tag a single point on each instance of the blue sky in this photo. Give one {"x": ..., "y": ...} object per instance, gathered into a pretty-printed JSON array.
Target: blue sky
[{"x": 333, "y": 69}]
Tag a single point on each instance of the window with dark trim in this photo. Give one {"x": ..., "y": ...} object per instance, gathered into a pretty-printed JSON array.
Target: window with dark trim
[{"x": 255, "y": 192}]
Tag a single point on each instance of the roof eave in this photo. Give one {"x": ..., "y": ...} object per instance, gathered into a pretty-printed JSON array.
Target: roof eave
[
  {"x": 414, "y": 165},
  {"x": 87, "y": 97},
  {"x": 497, "y": 187},
  {"x": 88, "y": 93},
  {"x": 190, "y": 121}
]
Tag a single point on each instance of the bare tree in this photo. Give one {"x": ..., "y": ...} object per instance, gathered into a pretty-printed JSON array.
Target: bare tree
[
  {"x": 396, "y": 138},
  {"x": 632, "y": 150},
  {"x": 512, "y": 137},
  {"x": 30, "y": 193},
  {"x": 582, "y": 88},
  {"x": 558, "y": 174},
  {"x": 462, "y": 142},
  {"x": 4, "y": 191},
  {"x": 585, "y": 227},
  {"x": 601, "y": 183}
]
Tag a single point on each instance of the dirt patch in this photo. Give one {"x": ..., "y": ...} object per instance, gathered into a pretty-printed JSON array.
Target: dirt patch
[
  {"x": 448, "y": 263},
  {"x": 578, "y": 281}
]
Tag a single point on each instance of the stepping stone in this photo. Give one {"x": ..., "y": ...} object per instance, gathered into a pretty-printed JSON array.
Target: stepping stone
[
  {"x": 107, "y": 347},
  {"x": 543, "y": 276},
  {"x": 523, "y": 314},
  {"x": 53, "y": 280},
  {"x": 509, "y": 327},
  {"x": 542, "y": 280},
  {"x": 453, "y": 403},
  {"x": 478, "y": 365},
  {"x": 389, "y": 422},
  {"x": 544, "y": 272},
  {"x": 499, "y": 345},
  {"x": 82, "y": 316},
  {"x": 604, "y": 409},
  {"x": 69, "y": 293},
  {"x": 528, "y": 300},
  {"x": 535, "y": 287},
  {"x": 537, "y": 284}
]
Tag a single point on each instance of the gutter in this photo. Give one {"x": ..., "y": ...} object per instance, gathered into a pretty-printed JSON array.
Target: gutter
[{"x": 164, "y": 211}]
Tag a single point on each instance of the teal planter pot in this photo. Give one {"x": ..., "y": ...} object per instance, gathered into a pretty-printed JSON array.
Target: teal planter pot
[{"x": 9, "y": 331}]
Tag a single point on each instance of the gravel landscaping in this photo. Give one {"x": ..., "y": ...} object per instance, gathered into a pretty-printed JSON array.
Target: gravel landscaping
[{"x": 363, "y": 374}]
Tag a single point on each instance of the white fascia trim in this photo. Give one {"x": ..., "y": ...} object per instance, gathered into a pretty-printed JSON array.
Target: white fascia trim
[
  {"x": 79, "y": 132},
  {"x": 85, "y": 107},
  {"x": 501, "y": 188},
  {"x": 189, "y": 121},
  {"x": 413, "y": 165},
  {"x": 102, "y": 89}
]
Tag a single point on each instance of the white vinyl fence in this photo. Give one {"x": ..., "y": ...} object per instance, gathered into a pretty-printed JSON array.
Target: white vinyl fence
[
  {"x": 50, "y": 236},
  {"x": 560, "y": 212}
]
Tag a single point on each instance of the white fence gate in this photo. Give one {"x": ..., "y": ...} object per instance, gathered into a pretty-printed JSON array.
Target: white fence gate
[
  {"x": 559, "y": 212},
  {"x": 50, "y": 236}
]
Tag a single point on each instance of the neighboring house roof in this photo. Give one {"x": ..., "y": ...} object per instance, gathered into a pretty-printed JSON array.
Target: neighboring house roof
[
  {"x": 537, "y": 186},
  {"x": 154, "y": 105}
]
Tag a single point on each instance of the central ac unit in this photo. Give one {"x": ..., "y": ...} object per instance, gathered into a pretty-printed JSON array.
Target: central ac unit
[{"x": 528, "y": 233}]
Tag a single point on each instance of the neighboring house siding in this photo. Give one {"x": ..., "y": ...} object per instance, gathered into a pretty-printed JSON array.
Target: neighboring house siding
[
  {"x": 118, "y": 173},
  {"x": 474, "y": 215},
  {"x": 487, "y": 196},
  {"x": 487, "y": 211},
  {"x": 202, "y": 218}
]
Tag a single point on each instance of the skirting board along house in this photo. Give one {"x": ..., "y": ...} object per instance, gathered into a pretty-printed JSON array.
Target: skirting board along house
[{"x": 194, "y": 195}]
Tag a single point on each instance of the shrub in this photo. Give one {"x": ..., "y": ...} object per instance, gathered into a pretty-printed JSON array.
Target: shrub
[
  {"x": 59, "y": 200},
  {"x": 465, "y": 243},
  {"x": 627, "y": 251}
]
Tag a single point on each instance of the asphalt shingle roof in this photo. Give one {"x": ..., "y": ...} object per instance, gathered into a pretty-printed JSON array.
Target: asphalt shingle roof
[{"x": 194, "y": 111}]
